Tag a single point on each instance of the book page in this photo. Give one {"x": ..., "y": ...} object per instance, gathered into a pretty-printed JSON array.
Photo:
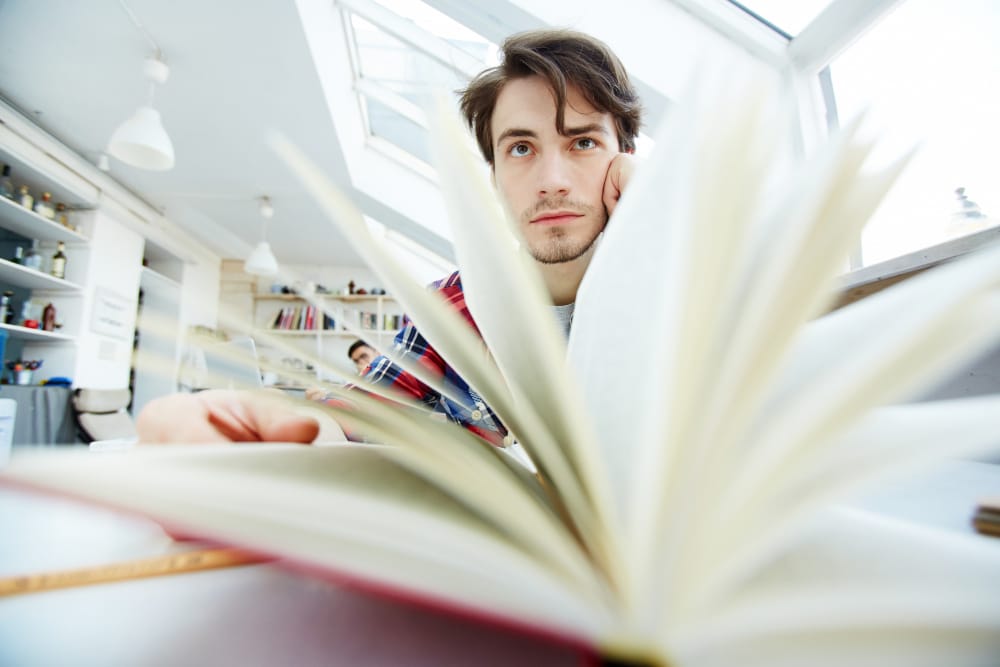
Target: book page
[
  {"x": 347, "y": 510},
  {"x": 860, "y": 589}
]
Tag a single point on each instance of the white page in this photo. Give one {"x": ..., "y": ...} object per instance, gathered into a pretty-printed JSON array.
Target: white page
[
  {"x": 345, "y": 508},
  {"x": 862, "y": 589},
  {"x": 889, "y": 442}
]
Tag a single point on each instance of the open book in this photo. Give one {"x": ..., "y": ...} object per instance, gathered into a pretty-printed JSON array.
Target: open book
[{"x": 679, "y": 506}]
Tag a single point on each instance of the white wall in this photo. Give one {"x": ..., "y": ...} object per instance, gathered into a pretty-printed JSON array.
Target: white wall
[
  {"x": 115, "y": 261},
  {"x": 200, "y": 293}
]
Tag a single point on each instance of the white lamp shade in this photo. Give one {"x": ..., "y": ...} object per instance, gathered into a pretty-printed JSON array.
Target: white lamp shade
[
  {"x": 142, "y": 142},
  {"x": 261, "y": 261}
]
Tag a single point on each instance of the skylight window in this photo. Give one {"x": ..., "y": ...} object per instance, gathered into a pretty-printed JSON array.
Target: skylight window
[
  {"x": 788, "y": 16},
  {"x": 402, "y": 51},
  {"x": 434, "y": 22}
]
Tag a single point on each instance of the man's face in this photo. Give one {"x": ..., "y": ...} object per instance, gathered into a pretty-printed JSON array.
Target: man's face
[
  {"x": 362, "y": 356},
  {"x": 550, "y": 183}
]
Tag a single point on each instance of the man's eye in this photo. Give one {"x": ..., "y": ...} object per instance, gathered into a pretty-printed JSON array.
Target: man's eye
[
  {"x": 520, "y": 150},
  {"x": 585, "y": 143}
]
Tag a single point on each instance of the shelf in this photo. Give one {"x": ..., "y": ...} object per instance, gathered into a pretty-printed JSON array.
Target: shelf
[
  {"x": 325, "y": 297},
  {"x": 22, "y": 276},
  {"x": 26, "y": 163},
  {"x": 359, "y": 297},
  {"x": 294, "y": 332},
  {"x": 324, "y": 332},
  {"x": 277, "y": 297},
  {"x": 29, "y": 224},
  {"x": 157, "y": 277},
  {"x": 23, "y": 333},
  {"x": 859, "y": 283}
]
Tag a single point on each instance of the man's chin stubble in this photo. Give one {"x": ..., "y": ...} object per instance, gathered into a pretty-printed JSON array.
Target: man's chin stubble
[{"x": 562, "y": 252}]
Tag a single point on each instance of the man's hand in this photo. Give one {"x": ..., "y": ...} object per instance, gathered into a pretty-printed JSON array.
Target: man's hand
[
  {"x": 619, "y": 172},
  {"x": 223, "y": 416}
]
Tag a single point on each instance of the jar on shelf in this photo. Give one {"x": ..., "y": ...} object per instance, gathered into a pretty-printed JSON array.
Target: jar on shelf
[
  {"x": 6, "y": 185},
  {"x": 33, "y": 259},
  {"x": 24, "y": 197},
  {"x": 28, "y": 317},
  {"x": 44, "y": 206},
  {"x": 6, "y": 315},
  {"x": 62, "y": 217}
]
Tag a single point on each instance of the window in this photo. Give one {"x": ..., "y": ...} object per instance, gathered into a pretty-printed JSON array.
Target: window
[
  {"x": 928, "y": 76},
  {"x": 788, "y": 16},
  {"x": 402, "y": 51}
]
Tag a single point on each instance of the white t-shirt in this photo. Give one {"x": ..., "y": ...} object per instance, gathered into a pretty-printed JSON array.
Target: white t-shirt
[{"x": 565, "y": 316}]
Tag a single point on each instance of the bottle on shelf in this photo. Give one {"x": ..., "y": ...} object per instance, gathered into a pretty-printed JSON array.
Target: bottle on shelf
[
  {"x": 44, "y": 206},
  {"x": 24, "y": 197},
  {"x": 58, "y": 268},
  {"x": 49, "y": 318},
  {"x": 18, "y": 255},
  {"x": 33, "y": 260},
  {"x": 62, "y": 217},
  {"x": 6, "y": 185},
  {"x": 27, "y": 311},
  {"x": 6, "y": 314}
]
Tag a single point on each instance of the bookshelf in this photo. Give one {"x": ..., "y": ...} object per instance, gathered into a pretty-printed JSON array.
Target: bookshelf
[
  {"x": 31, "y": 290},
  {"x": 319, "y": 327}
]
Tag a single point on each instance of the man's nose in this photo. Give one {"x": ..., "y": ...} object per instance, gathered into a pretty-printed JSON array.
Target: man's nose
[{"x": 554, "y": 175}]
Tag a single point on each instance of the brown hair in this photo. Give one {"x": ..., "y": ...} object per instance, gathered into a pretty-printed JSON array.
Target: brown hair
[{"x": 561, "y": 57}]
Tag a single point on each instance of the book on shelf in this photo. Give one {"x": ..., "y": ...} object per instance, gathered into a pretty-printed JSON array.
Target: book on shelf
[{"x": 674, "y": 508}]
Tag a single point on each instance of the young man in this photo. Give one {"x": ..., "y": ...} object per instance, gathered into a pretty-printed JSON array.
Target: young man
[
  {"x": 557, "y": 122},
  {"x": 362, "y": 354}
]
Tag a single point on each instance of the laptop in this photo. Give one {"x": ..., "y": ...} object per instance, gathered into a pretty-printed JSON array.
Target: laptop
[{"x": 232, "y": 365}]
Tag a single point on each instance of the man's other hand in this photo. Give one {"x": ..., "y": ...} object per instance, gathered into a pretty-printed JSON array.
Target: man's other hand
[{"x": 619, "y": 172}]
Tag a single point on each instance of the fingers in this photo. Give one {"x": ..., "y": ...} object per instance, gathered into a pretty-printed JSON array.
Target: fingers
[
  {"x": 315, "y": 393},
  {"x": 177, "y": 418},
  {"x": 619, "y": 172},
  {"x": 223, "y": 416},
  {"x": 256, "y": 417},
  {"x": 288, "y": 428}
]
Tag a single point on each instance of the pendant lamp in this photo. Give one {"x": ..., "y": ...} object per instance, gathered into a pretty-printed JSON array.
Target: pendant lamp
[
  {"x": 141, "y": 140},
  {"x": 261, "y": 261}
]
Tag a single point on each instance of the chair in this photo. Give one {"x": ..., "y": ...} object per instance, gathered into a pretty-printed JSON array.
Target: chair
[{"x": 102, "y": 414}]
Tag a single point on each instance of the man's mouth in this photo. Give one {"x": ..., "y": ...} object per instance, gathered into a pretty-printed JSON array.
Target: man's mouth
[{"x": 556, "y": 218}]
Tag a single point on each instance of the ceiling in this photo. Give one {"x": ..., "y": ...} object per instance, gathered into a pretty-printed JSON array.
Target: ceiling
[{"x": 235, "y": 75}]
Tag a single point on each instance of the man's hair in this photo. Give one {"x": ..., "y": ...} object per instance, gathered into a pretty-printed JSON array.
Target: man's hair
[
  {"x": 355, "y": 345},
  {"x": 562, "y": 58}
]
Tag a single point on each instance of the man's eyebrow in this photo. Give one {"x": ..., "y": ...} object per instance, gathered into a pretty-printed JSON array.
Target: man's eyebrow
[
  {"x": 592, "y": 128},
  {"x": 516, "y": 132}
]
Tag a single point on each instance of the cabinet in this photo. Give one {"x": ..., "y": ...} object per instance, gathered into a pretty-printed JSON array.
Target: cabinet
[
  {"x": 19, "y": 227},
  {"x": 323, "y": 334}
]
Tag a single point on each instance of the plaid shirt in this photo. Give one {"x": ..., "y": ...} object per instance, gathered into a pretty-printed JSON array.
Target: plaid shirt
[{"x": 472, "y": 412}]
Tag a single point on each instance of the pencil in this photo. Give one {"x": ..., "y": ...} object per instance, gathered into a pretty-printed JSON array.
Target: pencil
[{"x": 188, "y": 561}]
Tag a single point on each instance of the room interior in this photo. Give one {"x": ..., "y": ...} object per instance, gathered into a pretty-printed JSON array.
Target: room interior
[
  {"x": 152, "y": 126},
  {"x": 345, "y": 80}
]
